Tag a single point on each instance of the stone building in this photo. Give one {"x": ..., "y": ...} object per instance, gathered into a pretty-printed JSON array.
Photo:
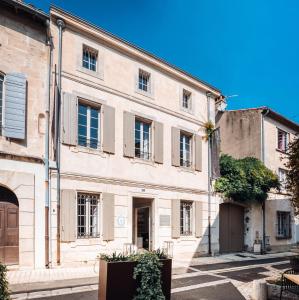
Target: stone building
[
  {"x": 133, "y": 161},
  {"x": 264, "y": 134},
  {"x": 23, "y": 100}
]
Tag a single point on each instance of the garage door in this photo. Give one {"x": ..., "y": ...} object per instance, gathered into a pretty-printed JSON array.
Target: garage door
[{"x": 231, "y": 228}]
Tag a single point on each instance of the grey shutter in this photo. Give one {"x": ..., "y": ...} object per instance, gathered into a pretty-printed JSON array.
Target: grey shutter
[
  {"x": 69, "y": 119},
  {"x": 175, "y": 147},
  {"x": 158, "y": 142},
  {"x": 198, "y": 219},
  {"x": 68, "y": 216},
  {"x": 198, "y": 153},
  {"x": 175, "y": 218},
  {"x": 15, "y": 106},
  {"x": 129, "y": 134},
  {"x": 108, "y": 129},
  {"x": 108, "y": 216}
]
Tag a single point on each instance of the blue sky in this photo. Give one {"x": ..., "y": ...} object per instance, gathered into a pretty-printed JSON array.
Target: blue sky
[{"x": 248, "y": 48}]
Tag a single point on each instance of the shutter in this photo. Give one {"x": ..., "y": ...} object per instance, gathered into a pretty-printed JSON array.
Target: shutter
[
  {"x": 69, "y": 119},
  {"x": 15, "y": 96},
  {"x": 175, "y": 147},
  {"x": 198, "y": 153},
  {"x": 68, "y": 216},
  {"x": 198, "y": 219},
  {"x": 108, "y": 129},
  {"x": 290, "y": 225},
  {"x": 129, "y": 134},
  {"x": 108, "y": 216},
  {"x": 175, "y": 218},
  {"x": 158, "y": 142}
]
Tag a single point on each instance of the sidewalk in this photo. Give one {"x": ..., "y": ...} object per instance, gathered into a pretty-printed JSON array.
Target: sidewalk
[{"x": 69, "y": 280}]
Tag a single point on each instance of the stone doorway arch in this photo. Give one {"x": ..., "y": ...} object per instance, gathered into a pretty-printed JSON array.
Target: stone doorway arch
[{"x": 9, "y": 227}]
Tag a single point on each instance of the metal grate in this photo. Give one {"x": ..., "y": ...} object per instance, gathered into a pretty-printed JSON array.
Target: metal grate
[
  {"x": 186, "y": 217},
  {"x": 143, "y": 81},
  {"x": 88, "y": 215},
  {"x": 89, "y": 60}
]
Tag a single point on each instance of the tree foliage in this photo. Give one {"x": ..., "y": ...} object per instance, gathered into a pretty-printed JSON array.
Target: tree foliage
[
  {"x": 292, "y": 180},
  {"x": 4, "y": 291},
  {"x": 246, "y": 179}
]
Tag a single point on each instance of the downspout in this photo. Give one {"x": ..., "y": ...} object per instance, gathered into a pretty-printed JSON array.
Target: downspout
[
  {"x": 61, "y": 25},
  {"x": 264, "y": 114},
  {"x": 47, "y": 191},
  {"x": 209, "y": 176}
]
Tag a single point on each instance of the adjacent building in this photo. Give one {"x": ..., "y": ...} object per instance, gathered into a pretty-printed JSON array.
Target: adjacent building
[
  {"x": 24, "y": 68},
  {"x": 264, "y": 134}
]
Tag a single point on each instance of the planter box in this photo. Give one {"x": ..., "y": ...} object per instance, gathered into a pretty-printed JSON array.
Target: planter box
[{"x": 117, "y": 282}]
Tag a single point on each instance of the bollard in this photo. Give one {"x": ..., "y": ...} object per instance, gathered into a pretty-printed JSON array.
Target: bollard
[{"x": 259, "y": 291}]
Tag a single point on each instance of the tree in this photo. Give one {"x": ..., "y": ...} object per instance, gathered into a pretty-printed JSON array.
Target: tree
[
  {"x": 246, "y": 179},
  {"x": 292, "y": 179}
]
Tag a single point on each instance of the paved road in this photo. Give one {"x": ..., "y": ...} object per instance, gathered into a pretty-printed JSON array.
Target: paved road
[{"x": 207, "y": 282}]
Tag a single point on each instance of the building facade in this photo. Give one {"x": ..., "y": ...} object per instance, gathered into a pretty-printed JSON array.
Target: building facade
[
  {"x": 263, "y": 134},
  {"x": 23, "y": 97},
  {"x": 134, "y": 169}
]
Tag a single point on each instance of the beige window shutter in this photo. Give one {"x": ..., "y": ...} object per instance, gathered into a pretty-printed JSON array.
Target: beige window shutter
[
  {"x": 129, "y": 134},
  {"x": 175, "y": 147},
  {"x": 198, "y": 152},
  {"x": 158, "y": 142},
  {"x": 69, "y": 119},
  {"x": 198, "y": 218},
  {"x": 108, "y": 144},
  {"x": 108, "y": 216},
  {"x": 68, "y": 216},
  {"x": 175, "y": 218}
]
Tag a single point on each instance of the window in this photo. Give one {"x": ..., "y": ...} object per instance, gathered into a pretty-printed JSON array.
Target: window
[
  {"x": 1, "y": 100},
  {"x": 283, "y": 224},
  {"x": 89, "y": 58},
  {"x": 282, "y": 175},
  {"x": 185, "y": 150},
  {"x": 88, "y": 215},
  {"x": 142, "y": 139},
  {"x": 186, "y": 218},
  {"x": 282, "y": 140},
  {"x": 186, "y": 101},
  {"x": 144, "y": 81},
  {"x": 88, "y": 126}
]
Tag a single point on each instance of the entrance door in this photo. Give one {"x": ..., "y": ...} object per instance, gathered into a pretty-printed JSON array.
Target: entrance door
[
  {"x": 143, "y": 234},
  {"x": 231, "y": 228},
  {"x": 9, "y": 233}
]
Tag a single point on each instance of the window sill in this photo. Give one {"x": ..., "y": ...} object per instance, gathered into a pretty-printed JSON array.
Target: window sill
[
  {"x": 186, "y": 169},
  {"x": 95, "y": 74},
  {"x": 282, "y": 151},
  {"x": 82, "y": 149},
  {"x": 185, "y": 238},
  {"x": 186, "y": 110},
  {"x": 146, "y": 94},
  {"x": 284, "y": 237},
  {"x": 137, "y": 160}
]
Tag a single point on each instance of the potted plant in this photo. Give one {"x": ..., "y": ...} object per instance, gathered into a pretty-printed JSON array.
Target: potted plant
[
  {"x": 137, "y": 276},
  {"x": 294, "y": 262},
  {"x": 4, "y": 291}
]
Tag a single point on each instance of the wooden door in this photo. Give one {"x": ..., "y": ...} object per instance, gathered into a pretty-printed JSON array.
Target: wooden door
[
  {"x": 231, "y": 228},
  {"x": 9, "y": 233}
]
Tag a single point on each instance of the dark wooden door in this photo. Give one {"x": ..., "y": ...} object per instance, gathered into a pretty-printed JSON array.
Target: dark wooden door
[
  {"x": 9, "y": 233},
  {"x": 231, "y": 228}
]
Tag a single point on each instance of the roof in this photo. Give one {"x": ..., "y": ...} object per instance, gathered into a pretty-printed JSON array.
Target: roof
[
  {"x": 274, "y": 115},
  {"x": 103, "y": 31},
  {"x": 28, "y": 9}
]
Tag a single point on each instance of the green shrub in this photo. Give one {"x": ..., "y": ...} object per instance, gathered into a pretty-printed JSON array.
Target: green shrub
[{"x": 4, "y": 292}]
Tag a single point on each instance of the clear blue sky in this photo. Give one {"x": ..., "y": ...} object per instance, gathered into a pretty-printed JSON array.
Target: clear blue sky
[{"x": 248, "y": 48}]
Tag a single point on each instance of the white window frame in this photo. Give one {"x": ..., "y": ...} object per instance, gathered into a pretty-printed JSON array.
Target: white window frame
[
  {"x": 283, "y": 227},
  {"x": 88, "y": 122},
  {"x": 90, "y": 52},
  {"x": 183, "y": 221},
  {"x": 282, "y": 173},
  {"x": 2, "y": 79},
  {"x": 189, "y": 100},
  {"x": 142, "y": 122},
  {"x": 147, "y": 75},
  {"x": 286, "y": 140},
  {"x": 87, "y": 215},
  {"x": 186, "y": 163}
]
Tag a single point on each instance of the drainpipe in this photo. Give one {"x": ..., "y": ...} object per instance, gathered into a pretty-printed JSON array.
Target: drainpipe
[
  {"x": 61, "y": 25},
  {"x": 209, "y": 176},
  {"x": 47, "y": 112},
  {"x": 264, "y": 114}
]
